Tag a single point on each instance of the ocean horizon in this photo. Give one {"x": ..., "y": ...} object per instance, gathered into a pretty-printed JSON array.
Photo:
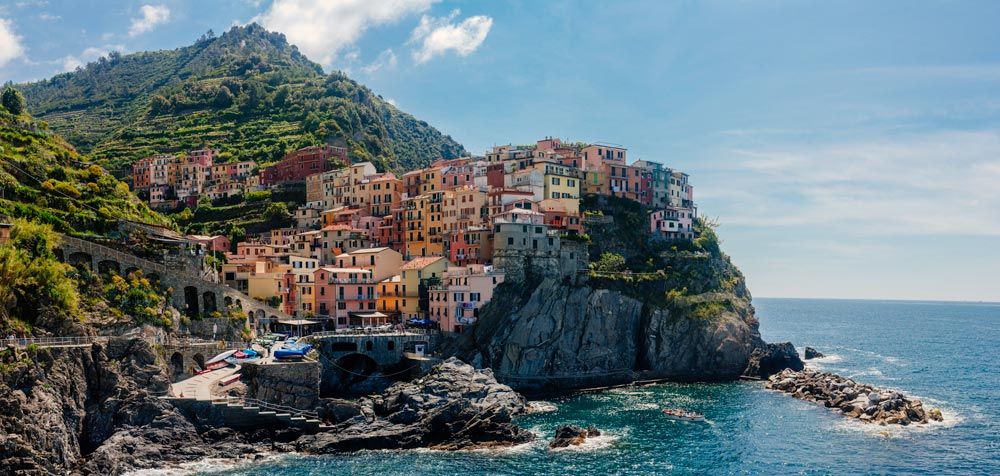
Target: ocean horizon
[{"x": 938, "y": 353}]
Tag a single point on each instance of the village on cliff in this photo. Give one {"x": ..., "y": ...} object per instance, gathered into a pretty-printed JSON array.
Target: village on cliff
[{"x": 371, "y": 248}]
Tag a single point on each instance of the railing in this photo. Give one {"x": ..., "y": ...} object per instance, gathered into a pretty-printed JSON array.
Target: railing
[
  {"x": 253, "y": 402},
  {"x": 365, "y": 332},
  {"x": 52, "y": 341}
]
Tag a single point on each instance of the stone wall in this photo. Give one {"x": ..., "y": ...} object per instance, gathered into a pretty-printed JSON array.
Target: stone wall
[
  {"x": 295, "y": 384},
  {"x": 566, "y": 262}
]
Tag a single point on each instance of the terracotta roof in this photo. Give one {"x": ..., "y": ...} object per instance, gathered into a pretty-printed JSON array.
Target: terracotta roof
[{"x": 421, "y": 262}]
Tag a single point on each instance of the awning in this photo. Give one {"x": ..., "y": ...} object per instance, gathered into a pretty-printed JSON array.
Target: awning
[
  {"x": 367, "y": 315},
  {"x": 297, "y": 322}
]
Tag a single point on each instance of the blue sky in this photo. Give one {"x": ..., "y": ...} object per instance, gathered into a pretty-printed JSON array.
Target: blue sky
[{"x": 849, "y": 149}]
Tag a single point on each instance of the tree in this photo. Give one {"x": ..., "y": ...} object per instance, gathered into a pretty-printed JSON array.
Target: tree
[
  {"x": 610, "y": 263},
  {"x": 276, "y": 212},
  {"x": 223, "y": 98},
  {"x": 159, "y": 104},
  {"x": 13, "y": 101},
  {"x": 281, "y": 96}
]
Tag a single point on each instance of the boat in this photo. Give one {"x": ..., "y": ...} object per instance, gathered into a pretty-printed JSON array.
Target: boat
[
  {"x": 292, "y": 352},
  {"x": 682, "y": 415},
  {"x": 220, "y": 358}
]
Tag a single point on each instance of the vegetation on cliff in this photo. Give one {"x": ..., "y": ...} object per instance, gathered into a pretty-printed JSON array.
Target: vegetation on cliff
[
  {"x": 44, "y": 179},
  {"x": 247, "y": 93},
  {"x": 691, "y": 277}
]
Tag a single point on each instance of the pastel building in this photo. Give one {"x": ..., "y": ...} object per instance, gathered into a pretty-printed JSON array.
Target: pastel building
[{"x": 455, "y": 302}]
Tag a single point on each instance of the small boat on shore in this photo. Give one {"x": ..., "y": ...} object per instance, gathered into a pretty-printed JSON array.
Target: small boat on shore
[{"x": 682, "y": 415}]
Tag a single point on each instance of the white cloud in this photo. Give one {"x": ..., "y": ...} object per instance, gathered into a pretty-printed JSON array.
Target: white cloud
[
  {"x": 937, "y": 183},
  {"x": 385, "y": 60},
  {"x": 46, "y": 16},
  {"x": 152, "y": 15},
  {"x": 10, "y": 43},
  {"x": 321, "y": 29},
  {"x": 71, "y": 62},
  {"x": 437, "y": 36}
]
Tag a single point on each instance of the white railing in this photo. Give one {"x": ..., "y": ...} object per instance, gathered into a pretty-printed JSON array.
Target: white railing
[{"x": 52, "y": 341}]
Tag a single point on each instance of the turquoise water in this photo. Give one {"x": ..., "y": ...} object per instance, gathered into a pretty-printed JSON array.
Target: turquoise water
[{"x": 944, "y": 353}]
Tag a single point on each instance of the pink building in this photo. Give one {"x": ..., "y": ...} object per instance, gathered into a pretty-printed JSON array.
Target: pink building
[
  {"x": 217, "y": 243},
  {"x": 463, "y": 291},
  {"x": 672, "y": 223},
  {"x": 349, "y": 295}
]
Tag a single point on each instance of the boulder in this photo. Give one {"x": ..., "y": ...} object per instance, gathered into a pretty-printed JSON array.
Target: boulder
[
  {"x": 454, "y": 406},
  {"x": 811, "y": 353},
  {"x": 571, "y": 435},
  {"x": 771, "y": 359}
]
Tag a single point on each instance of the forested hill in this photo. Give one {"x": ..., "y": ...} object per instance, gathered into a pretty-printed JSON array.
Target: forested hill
[{"x": 247, "y": 93}]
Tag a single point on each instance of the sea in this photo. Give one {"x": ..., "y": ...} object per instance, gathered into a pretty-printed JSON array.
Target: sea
[{"x": 945, "y": 353}]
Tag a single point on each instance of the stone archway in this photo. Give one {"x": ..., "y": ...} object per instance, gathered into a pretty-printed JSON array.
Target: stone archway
[
  {"x": 228, "y": 301},
  {"x": 80, "y": 259},
  {"x": 191, "y": 301},
  {"x": 132, "y": 269},
  {"x": 199, "y": 360},
  {"x": 259, "y": 314},
  {"x": 354, "y": 368},
  {"x": 209, "y": 302},
  {"x": 107, "y": 266},
  {"x": 177, "y": 364}
]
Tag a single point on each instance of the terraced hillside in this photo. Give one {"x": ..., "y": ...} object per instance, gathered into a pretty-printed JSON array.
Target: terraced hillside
[
  {"x": 44, "y": 179},
  {"x": 247, "y": 93}
]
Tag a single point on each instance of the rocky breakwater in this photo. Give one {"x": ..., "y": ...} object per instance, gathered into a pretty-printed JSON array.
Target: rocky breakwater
[
  {"x": 864, "y": 402},
  {"x": 454, "y": 406}
]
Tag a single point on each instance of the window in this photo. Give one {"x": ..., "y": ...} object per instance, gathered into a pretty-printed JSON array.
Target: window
[{"x": 510, "y": 240}]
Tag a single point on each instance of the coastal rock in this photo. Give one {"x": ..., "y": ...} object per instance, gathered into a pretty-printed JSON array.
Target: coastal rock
[
  {"x": 864, "y": 402},
  {"x": 454, "y": 406},
  {"x": 810, "y": 353},
  {"x": 773, "y": 358},
  {"x": 562, "y": 337},
  {"x": 570, "y": 435}
]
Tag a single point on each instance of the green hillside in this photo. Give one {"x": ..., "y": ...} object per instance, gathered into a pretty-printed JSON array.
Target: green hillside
[
  {"x": 44, "y": 179},
  {"x": 247, "y": 93}
]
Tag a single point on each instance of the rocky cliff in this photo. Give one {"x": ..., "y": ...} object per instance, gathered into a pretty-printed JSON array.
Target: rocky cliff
[
  {"x": 561, "y": 336},
  {"x": 89, "y": 409}
]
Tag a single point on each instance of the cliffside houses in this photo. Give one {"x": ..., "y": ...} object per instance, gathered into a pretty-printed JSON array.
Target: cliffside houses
[{"x": 370, "y": 248}]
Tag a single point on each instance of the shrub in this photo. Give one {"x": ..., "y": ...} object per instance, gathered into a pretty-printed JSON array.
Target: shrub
[{"x": 610, "y": 263}]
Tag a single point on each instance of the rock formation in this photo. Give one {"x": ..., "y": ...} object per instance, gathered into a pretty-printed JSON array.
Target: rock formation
[
  {"x": 864, "y": 402},
  {"x": 564, "y": 337},
  {"x": 93, "y": 409},
  {"x": 571, "y": 435},
  {"x": 810, "y": 353},
  {"x": 773, "y": 358},
  {"x": 454, "y": 406}
]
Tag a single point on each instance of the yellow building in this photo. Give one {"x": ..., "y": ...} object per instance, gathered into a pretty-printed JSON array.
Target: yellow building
[
  {"x": 424, "y": 225},
  {"x": 264, "y": 282},
  {"x": 462, "y": 208},
  {"x": 422, "y": 271},
  {"x": 390, "y": 295},
  {"x": 430, "y": 180},
  {"x": 560, "y": 181}
]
